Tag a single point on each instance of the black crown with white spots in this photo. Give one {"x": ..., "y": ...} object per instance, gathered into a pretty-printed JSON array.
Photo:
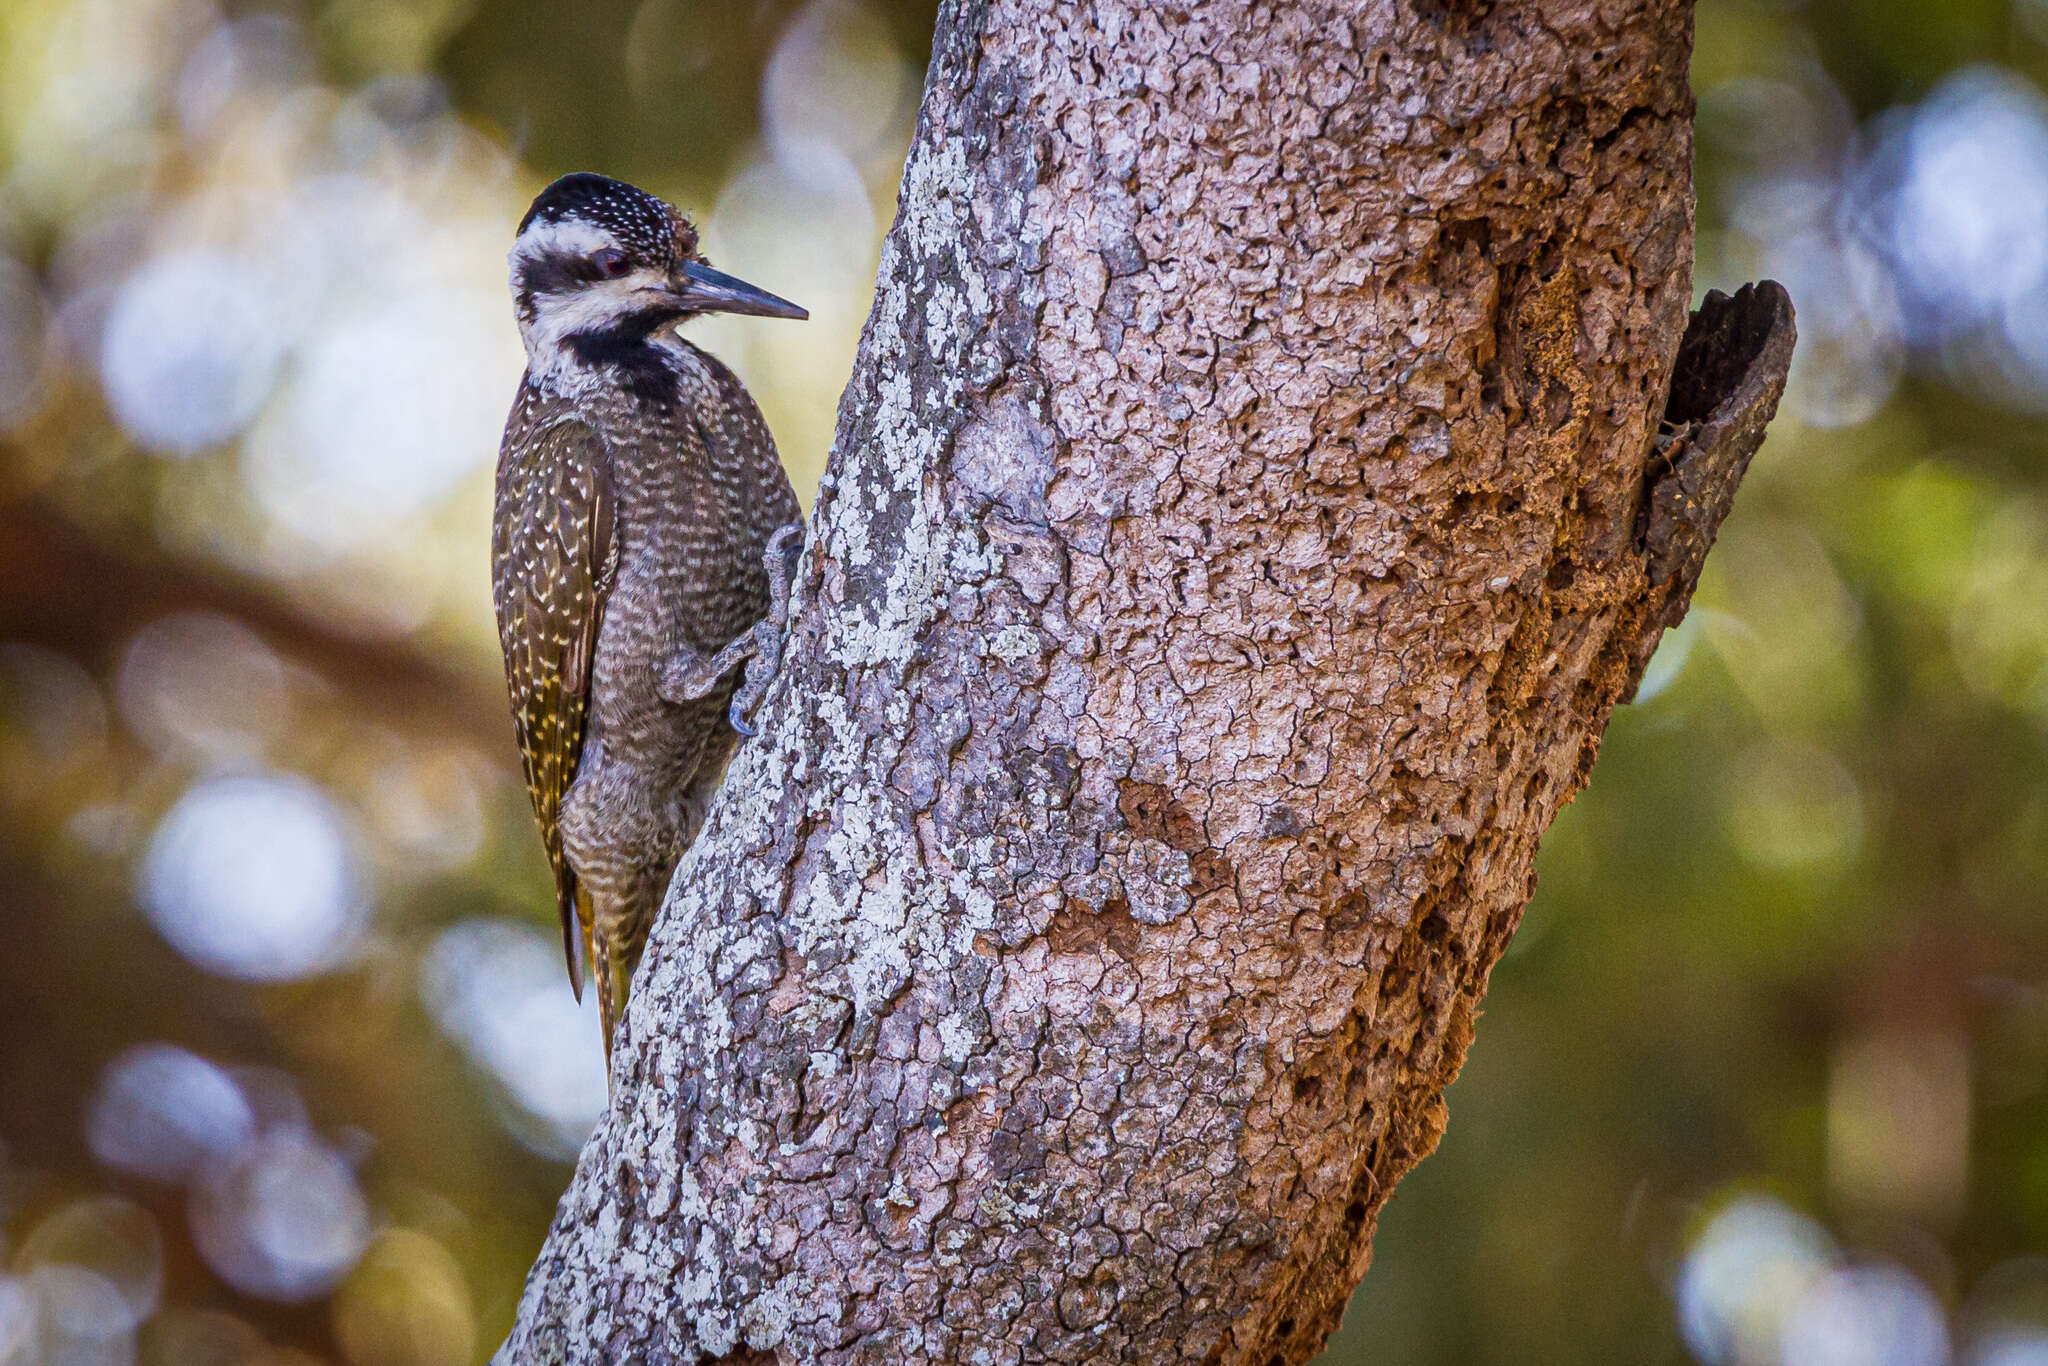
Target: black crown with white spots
[{"x": 641, "y": 223}]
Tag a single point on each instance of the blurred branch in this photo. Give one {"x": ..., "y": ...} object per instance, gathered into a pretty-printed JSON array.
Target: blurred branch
[{"x": 64, "y": 587}]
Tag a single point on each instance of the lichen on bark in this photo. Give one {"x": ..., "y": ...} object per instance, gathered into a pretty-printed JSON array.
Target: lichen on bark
[{"x": 1233, "y": 545}]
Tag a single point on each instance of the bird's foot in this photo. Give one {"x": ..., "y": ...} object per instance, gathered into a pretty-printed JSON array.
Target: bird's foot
[
  {"x": 691, "y": 674},
  {"x": 780, "y": 559},
  {"x": 764, "y": 660}
]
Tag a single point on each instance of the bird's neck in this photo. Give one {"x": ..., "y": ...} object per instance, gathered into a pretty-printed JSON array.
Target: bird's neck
[{"x": 619, "y": 352}]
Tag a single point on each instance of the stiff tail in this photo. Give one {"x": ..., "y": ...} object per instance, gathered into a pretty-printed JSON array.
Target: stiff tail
[
  {"x": 614, "y": 981},
  {"x": 612, "y": 961},
  {"x": 575, "y": 910},
  {"x": 610, "y": 990}
]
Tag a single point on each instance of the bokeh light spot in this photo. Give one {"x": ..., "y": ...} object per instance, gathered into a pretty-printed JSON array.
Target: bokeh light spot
[
  {"x": 835, "y": 78},
  {"x": 259, "y": 53},
  {"x": 1742, "y": 1277},
  {"x": 1670, "y": 657},
  {"x": 252, "y": 877},
  {"x": 17, "y": 1323},
  {"x": 161, "y": 1111},
  {"x": 114, "y": 1242},
  {"x": 196, "y": 686},
  {"x": 1972, "y": 193},
  {"x": 190, "y": 352},
  {"x": 1795, "y": 807},
  {"x": 407, "y": 1304},
  {"x": 499, "y": 990},
  {"x": 282, "y": 1218},
  {"x": 387, "y": 409},
  {"x": 81, "y": 1318},
  {"x": 1866, "y": 1316},
  {"x": 2011, "y": 1347}
]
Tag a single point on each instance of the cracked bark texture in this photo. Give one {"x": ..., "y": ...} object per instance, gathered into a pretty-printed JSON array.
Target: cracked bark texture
[{"x": 1243, "y": 518}]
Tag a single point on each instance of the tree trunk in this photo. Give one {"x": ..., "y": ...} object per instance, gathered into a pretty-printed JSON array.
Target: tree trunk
[{"x": 1247, "y": 507}]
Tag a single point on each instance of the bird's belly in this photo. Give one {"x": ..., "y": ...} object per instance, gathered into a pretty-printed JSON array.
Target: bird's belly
[
  {"x": 684, "y": 581},
  {"x": 648, "y": 617}
]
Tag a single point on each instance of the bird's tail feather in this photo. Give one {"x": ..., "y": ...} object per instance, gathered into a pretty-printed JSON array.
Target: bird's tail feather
[
  {"x": 614, "y": 977},
  {"x": 575, "y": 910}
]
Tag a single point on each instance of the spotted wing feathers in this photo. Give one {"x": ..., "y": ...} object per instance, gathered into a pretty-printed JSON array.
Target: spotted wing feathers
[{"x": 553, "y": 556}]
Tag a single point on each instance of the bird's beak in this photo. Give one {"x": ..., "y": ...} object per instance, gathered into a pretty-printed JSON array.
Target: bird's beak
[{"x": 700, "y": 289}]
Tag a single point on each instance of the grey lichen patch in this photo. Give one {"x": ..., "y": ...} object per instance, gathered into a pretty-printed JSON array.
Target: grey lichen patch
[
  {"x": 1227, "y": 563},
  {"x": 1004, "y": 455},
  {"x": 1015, "y": 643}
]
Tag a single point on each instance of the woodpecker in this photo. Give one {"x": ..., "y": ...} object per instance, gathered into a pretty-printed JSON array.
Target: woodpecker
[{"x": 639, "y": 555}]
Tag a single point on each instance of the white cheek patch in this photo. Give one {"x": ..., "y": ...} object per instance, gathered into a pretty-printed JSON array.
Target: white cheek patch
[
  {"x": 557, "y": 317},
  {"x": 570, "y": 237}
]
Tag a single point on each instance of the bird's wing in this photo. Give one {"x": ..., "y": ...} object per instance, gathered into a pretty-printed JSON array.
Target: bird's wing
[{"x": 553, "y": 557}]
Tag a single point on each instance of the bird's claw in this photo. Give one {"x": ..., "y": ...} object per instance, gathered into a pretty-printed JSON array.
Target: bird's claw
[
  {"x": 764, "y": 655},
  {"x": 764, "y": 661},
  {"x": 691, "y": 674}
]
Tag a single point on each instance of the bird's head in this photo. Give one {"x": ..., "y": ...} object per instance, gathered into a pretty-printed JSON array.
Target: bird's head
[{"x": 599, "y": 264}]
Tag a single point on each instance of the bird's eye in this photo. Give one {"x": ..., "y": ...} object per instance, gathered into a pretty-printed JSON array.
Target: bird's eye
[{"x": 611, "y": 263}]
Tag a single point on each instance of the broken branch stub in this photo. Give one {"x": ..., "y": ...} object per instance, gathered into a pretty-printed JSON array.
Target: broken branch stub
[{"x": 1725, "y": 389}]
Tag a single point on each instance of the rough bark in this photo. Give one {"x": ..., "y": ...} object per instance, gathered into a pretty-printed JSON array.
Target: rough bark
[{"x": 1250, "y": 500}]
